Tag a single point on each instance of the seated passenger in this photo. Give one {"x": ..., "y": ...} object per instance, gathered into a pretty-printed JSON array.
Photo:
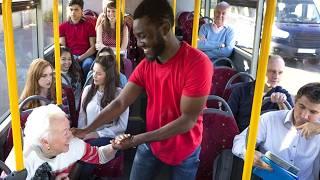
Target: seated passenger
[
  {"x": 103, "y": 89},
  {"x": 50, "y": 150},
  {"x": 286, "y": 134},
  {"x": 79, "y": 35},
  {"x": 217, "y": 39},
  {"x": 241, "y": 97},
  {"x": 106, "y": 29},
  {"x": 39, "y": 81},
  {"x": 72, "y": 71}
]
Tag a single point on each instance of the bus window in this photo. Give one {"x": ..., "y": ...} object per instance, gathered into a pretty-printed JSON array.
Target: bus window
[
  {"x": 243, "y": 20},
  {"x": 48, "y": 22},
  {"x": 26, "y": 49}
]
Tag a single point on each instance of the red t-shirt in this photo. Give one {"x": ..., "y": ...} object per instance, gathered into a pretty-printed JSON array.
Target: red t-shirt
[
  {"x": 77, "y": 35},
  {"x": 187, "y": 73}
]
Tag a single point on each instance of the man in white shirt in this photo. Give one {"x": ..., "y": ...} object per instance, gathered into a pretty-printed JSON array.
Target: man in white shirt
[{"x": 292, "y": 135}]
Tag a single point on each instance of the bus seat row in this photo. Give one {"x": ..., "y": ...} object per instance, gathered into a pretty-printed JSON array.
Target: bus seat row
[{"x": 219, "y": 129}]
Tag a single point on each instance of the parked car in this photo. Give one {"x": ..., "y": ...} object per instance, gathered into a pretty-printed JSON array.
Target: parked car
[{"x": 296, "y": 33}]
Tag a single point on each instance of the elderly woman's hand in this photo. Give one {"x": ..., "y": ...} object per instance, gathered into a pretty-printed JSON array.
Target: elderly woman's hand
[
  {"x": 123, "y": 141},
  {"x": 80, "y": 133}
]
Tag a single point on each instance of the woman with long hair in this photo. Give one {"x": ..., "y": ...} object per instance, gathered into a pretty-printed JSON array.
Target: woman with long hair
[
  {"x": 103, "y": 89},
  {"x": 106, "y": 29},
  {"x": 71, "y": 70},
  {"x": 39, "y": 82}
]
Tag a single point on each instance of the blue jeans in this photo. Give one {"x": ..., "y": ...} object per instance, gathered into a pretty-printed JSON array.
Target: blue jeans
[
  {"x": 145, "y": 165},
  {"x": 85, "y": 64}
]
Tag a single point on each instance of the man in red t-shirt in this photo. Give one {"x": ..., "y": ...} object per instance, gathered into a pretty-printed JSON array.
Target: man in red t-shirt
[
  {"x": 177, "y": 80},
  {"x": 79, "y": 35}
]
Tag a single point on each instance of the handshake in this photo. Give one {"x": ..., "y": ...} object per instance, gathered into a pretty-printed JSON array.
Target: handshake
[{"x": 123, "y": 141}]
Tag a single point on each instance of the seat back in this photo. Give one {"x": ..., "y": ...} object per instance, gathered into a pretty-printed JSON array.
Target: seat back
[
  {"x": 68, "y": 104},
  {"x": 237, "y": 78},
  {"x": 220, "y": 78},
  {"x": 219, "y": 129},
  {"x": 24, "y": 114}
]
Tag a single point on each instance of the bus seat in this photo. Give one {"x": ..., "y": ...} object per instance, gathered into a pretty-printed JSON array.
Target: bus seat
[
  {"x": 127, "y": 67},
  {"x": 220, "y": 78},
  {"x": 15, "y": 175},
  {"x": 113, "y": 168},
  {"x": 134, "y": 53},
  {"x": 68, "y": 104},
  {"x": 233, "y": 81},
  {"x": 23, "y": 119},
  {"x": 224, "y": 61},
  {"x": 91, "y": 16},
  {"x": 224, "y": 126}
]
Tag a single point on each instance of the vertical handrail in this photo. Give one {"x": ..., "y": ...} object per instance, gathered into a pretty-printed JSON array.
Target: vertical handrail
[
  {"x": 195, "y": 26},
  {"x": 123, "y": 8},
  {"x": 258, "y": 92},
  {"x": 55, "y": 14},
  {"x": 174, "y": 9},
  {"x": 12, "y": 84},
  {"x": 118, "y": 24}
]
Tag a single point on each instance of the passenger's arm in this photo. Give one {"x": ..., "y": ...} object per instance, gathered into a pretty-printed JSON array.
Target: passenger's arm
[
  {"x": 99, "y": 43},
  {"x": 190, "y": 107},
  {"x": 234, "y": 101},
  {"x": 106, "y": 153},
  {"x": 99, "y": 20},
  {"x": 119, "y": 127},
  {"x": 125, "y": 38},
  {"x": 223, "y": 50},
  {"x": 203, "y": 43},
  {"x": 127, "y": 96},
  {"x": 90, "y": 51},
  {"x": 82, "y": 115},
  {"x": 62, "y": 41}
]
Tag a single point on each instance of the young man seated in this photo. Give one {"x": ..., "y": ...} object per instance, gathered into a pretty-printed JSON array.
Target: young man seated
[
  {"x": 79, "y": 35},
  {"x": 293, "y": 135}
]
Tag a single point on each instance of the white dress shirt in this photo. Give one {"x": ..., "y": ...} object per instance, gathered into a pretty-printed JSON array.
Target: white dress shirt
[
  {"x": 93, "y": 109},
  {"x": 277, "y": 134}
]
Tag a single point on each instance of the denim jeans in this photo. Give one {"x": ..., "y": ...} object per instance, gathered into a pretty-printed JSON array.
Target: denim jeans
[
  {"x": 145, "y": 165},
  {"x": 85, "y": 64}
]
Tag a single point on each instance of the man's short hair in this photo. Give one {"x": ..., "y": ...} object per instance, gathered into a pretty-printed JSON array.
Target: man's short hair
[
  {"x": 76, "y": 2},
  {"x": 222, "y": 5},
  {"x": 311, "y": 91},
  {"x": 156, "y": 10}
]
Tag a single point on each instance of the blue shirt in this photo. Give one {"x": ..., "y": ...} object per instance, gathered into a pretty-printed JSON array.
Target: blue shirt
[
  {"x": 277, "y": 134},
  {"x": 212, "y": 45}
]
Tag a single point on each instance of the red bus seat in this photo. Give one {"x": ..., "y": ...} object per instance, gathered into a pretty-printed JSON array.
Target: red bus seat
[{"x": 219, "y": 129}]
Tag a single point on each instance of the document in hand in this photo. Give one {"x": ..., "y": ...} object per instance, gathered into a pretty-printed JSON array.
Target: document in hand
[{"x": 280, "y": 168}]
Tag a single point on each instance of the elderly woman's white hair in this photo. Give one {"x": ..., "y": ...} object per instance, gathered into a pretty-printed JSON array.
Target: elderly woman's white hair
[{"x": 38, "y": 123}]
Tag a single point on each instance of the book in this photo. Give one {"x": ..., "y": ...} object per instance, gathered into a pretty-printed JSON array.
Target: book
[{"x": 281, "y": 169}]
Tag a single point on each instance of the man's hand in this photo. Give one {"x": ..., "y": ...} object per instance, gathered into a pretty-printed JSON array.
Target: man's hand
[
  {"x": 259, "y": 163},
  {"x": 309, "y": 129},
  {"x": 80, "y": 133},
  {"x": 278, "y": 97},
  {"x": 123, "y": 141}
]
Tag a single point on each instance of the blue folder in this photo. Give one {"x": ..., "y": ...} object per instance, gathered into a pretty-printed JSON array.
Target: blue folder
[{"x": 277, "y": 171}]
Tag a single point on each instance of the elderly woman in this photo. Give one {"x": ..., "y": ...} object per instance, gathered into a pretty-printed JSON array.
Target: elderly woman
[{"x": 49, "y": 145}]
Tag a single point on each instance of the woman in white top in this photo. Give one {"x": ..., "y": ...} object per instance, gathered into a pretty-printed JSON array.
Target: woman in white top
[{"x": 103, "y": 89}]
